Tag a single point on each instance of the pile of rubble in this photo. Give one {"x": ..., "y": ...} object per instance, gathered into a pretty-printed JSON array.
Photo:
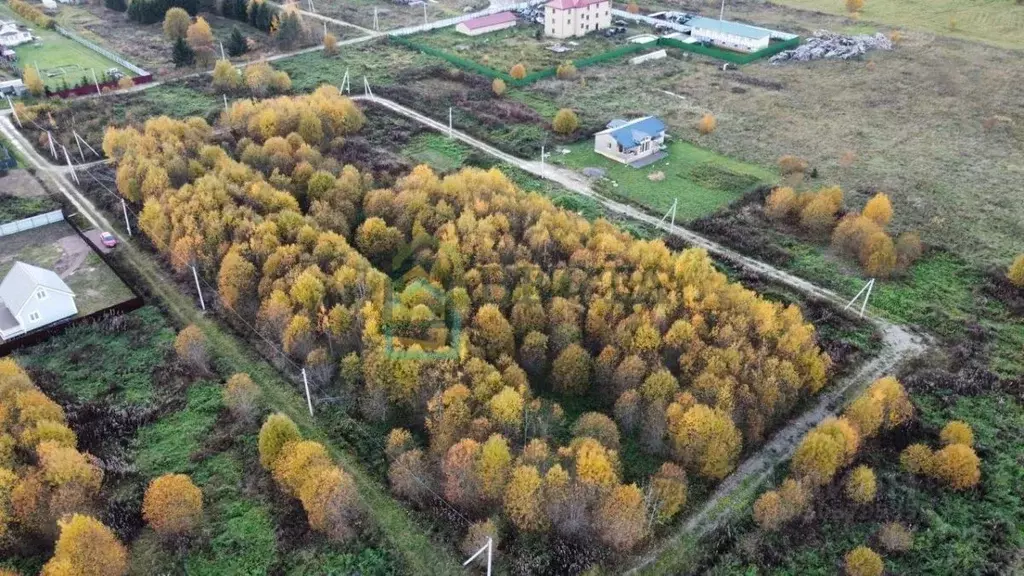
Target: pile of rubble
[{"x": 827, "y": 45}]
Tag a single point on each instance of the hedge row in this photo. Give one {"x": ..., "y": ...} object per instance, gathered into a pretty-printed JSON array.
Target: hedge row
[
  {"x": 614, "y": 54},
  {"x": 31, "y": 13}
]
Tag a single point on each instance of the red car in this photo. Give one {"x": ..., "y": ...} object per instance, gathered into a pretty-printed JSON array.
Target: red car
[{"x": 108, "y": 239}]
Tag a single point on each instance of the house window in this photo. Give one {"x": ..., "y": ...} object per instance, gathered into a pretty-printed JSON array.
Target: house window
[
  {"x": 33, "y": 317},
  {"x": 40, "y": 294}
]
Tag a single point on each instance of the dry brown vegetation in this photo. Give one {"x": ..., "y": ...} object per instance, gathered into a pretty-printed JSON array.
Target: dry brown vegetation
[{"x": 911, "y": 123}]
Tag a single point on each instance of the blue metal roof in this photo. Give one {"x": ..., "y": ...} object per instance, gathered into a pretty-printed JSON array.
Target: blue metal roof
[
  {"x": 728, "y": 27},
  {"x": 630, "y": 134}
]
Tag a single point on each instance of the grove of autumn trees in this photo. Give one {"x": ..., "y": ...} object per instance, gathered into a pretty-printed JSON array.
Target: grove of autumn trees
[
  {"x": 859, "y": 235},
  {"x": 515, "y": 304},
  {"x": 48, "y": 489}
]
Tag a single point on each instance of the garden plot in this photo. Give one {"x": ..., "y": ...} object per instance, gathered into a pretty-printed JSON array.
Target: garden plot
[
  {"x": 391, "y": 15},
  {"x": 701, "y": 180},
  {"x": 62, "y": 62},
  {"x": 57, "y": 247}
]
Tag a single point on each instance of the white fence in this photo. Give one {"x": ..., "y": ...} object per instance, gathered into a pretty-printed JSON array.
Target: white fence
[
  {"x": 31, "y": 222},
  {"x": 101, "y": 50},
  {"x": 459, "y": 19}
]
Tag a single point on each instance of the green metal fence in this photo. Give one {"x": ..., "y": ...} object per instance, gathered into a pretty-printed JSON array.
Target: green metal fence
[{"x": 614, "y": 54}]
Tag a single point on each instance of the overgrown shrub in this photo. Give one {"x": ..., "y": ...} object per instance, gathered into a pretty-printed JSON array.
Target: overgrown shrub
[
  {"x": 707, "y": 124},
  {"x": 173, "y": 505}
]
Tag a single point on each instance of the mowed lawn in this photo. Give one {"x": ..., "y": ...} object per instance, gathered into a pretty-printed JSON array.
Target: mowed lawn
[
  {"x": 702, "y": 180},
  {"x": 997, "y": 22},
  {"x": 53, "y": 53}
]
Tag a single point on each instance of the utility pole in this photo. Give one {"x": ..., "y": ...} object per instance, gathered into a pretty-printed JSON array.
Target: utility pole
[
  {"x": 425, "y": 22},
  {"x": 867, "y": 287},
  {"x": 53, "y": 150},
  {"x": 450, "y": 135},
  {"x": 671, "y": 213},
  {"x": 13, "y": 111},
  {"x": 128, "y": 225},
  {"x": 376, "y": 23},
  {"x": 94, "y": 80},
  {"x": 721, "y": 15},
  {"x": 366, "y": 89},
  {"x": 346, "y": 83},
  {"x": 543, "y": 156},
  {"x": 489, "y": 547},
  {"x": 71, "y": 166},
  {"x": 222, "y": 56},
  {"x": 225, "y": 101},
  {"x": 83, "y": 141},
  {"x": 80, "y": 152},
  {"x": 309, "y": 400},
  {"x": 195, "y": 276}
]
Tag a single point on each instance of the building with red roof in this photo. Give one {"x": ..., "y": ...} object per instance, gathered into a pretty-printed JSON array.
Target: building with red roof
[
  {"x": 485, "y": 24},
  {"x": 569, "y": 18}
]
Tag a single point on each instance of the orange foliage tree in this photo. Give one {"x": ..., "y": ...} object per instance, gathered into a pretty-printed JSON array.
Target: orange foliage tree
[{"x": 173, "y": 505}]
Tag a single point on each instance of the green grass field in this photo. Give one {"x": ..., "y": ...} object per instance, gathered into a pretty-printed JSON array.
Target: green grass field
[
  {"x": 54, "y": 51},
  {"x": 997, "y": 22},
  {"x": 702, "y": 180}
]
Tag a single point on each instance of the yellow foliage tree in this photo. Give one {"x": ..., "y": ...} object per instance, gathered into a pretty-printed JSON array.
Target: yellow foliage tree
[
  {"x": 297, "y": 461},
  {"x": 818, "y": 457},
  {"x": 176, "y": 23},
  {"x": 863, "y": 561},
  {"x": 916, "y": 459},
  {"x": 524, "y": 499},
  {"x": 277, "y": 431},
  {"x": 707, "y": 124},
  {"x": 957, "y": 466},
  {"x": 1015, "y": 273},
  {"x": 199, "y": 37},
  {"x": 226, "y": 78},
  {"x": 595, "y": 465},
  {"x": 957, "y": 432},
  {"x": 571, "y": 370},
  {"x": 668, "y": 488},
  {"x": 704, "y": 439},
  {"x": 518, "y": 72},
  {"x": 506, "y": 409},
  {"x": 781, "y": 203},
  {"x": 330, "y": 44},
  {"x": 621, "y": 519},
  {"x": 493, "y": 466},
  {"x": 768, "y": 512},
  {"x": 599, "y": 427},
  {"x": 241, "y": 397},
  {"x": 86, "y": 548},
  {"x": 33, "y": 81},
  {"x": 860, "y": 485},
  {"x": 190, "y": 344},
  {"x": 566, "y": 121},
  {"x": 173, "y": 505},
  {"x": 879, "y": 209},
  {"x": 331, "y": 501},
  {"x": 498, "y": 87}
]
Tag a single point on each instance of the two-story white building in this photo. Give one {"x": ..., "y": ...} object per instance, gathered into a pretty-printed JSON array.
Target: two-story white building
[
  {"x": 569, "y": 18},
  {"x": 32, "y": 297},
  {"x": 730, "y": 35}
]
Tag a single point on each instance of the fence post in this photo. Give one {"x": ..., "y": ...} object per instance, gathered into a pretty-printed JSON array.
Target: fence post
[{"x": 195, "y": 276}]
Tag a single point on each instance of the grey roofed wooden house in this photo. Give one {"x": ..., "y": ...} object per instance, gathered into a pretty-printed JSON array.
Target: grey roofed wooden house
[{"x": 32, "y": 297}]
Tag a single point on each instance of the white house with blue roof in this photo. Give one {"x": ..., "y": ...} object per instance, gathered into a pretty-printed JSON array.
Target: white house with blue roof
[
  {"x": 635, "y": 142},
  {"x": 731, "y": 35}
]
